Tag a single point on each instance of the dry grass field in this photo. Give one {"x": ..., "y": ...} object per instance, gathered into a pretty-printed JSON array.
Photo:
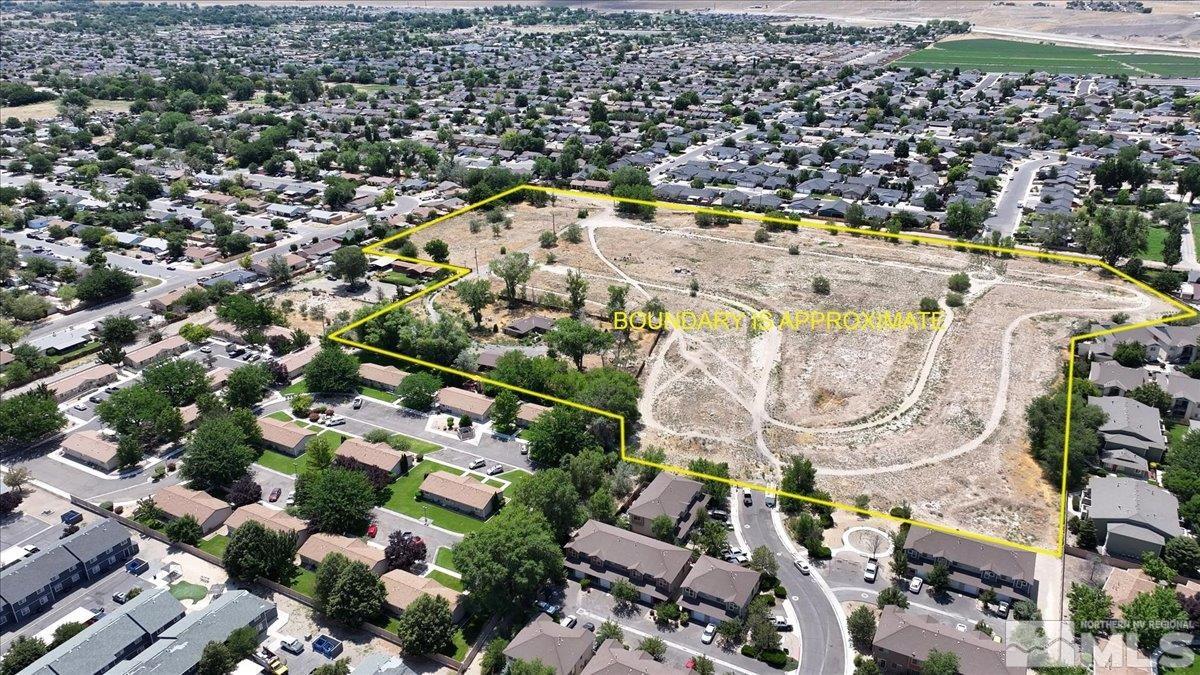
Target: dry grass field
[{"x": 934, "y": 419}]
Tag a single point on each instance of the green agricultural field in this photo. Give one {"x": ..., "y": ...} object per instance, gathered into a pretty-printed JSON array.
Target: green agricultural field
[{"x": 1001, "y": 56}]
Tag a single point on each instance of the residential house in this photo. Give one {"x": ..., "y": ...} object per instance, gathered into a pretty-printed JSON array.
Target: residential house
[
  {"x": 1131, "y": 515},
  {"x": 534, "y": 324},
  {"x": 116, "y": 636},
  {"x": 462, "y": 402},
  {"x": 83, "y": 381},
  {"x": 92, "y": 449},
  {"x": 680, "y": 499},
  {"x": 378, "y": 455},
  {"x": 613, "y": 658},
  {"x": 33, "y": 584},
  {"x": 903, "y": 641},
  {"x": 716, "y": 590},
  {"x": 286, "y": 437},
  {"x": 156, "y": 351},
  {"x": 1132, "y": 426},
  {"x": 295, "y": 363},
  {"x": 1164, "y": 344},
  {"x": 269, "y": 517},
  {"x": 403, "y": 588},
  {"x": 606, "y": 554},
  {"x": 319, "y": 545},
  {"x": 1114, "y": 379},
  {"x": 177, "y": 501},
  {"x": 528, "y": 413},
  {"x": 1185, "y": 394},
  {"x": 384, "y": 378},
  {"x": 461, "y": 493},
  {"x": 974, "y": 565},
  {"x": 566, "y": 650}
]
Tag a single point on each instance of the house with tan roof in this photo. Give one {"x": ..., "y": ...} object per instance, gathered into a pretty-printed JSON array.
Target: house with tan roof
[
  {"x": 403, "y": 588},
  {"x": 85, "y": 380},
  {"x": 271, "y": 518},
  {"x": 162, "y": 303},
  {"x": 566, "y": 650},
  {"x": 671, "y": 495},
  {"x": 462, "y": 402},
  {"x": 319, "y": 545},
  {"x": 295, "y": 363},
  {"x": 286, "y": 437},
  {"x": 606, "y": 554},
  {"x": 903, "y": 641},
  {"x": 384, "y": 378},
  {"x": 90, "y": 448},
  {"x": 177, "y": 501},
  {"x": 156, "y": 351},
  {"x": 529, "y": 412},
  {"x": 612, "y": 658},
  {"x": 378, "y": 455},
  {"x": 461, "y": 493},
  {"x": 716, "y": 590}
]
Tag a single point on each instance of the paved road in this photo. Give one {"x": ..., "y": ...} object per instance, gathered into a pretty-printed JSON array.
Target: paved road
[
  {"x": 656, "y": 173},
  {"x": 822, "y": 642},
  {"x": 1012, "y": 198}
]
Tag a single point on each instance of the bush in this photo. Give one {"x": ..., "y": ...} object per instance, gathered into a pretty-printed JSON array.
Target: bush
[
  {"x": 160, "y": 472},
  {"x": 793, "y": 250},
  {"x": 170, "y": 466},
  {"x": 959, "y": 283},
  {"x": 775, "y": 659},
  {"x": 954, "y": 299},
  {"x": 119, "y": 510},
  {"x": 107, "y": 506},
  {"x": 820, "y": 285},
  {"x": 818, "y": 550},
  {"x": 780, "y": 591},
  {"x": 585, "y": 583},
  {"x": 929, "y": 305}
]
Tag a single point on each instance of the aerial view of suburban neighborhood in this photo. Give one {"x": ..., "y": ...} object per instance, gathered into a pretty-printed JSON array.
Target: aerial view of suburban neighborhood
[{"x": 599, "y": 337}]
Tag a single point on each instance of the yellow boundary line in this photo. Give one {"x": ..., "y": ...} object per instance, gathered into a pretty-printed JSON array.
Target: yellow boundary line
[{"x": 377, "y": 249}]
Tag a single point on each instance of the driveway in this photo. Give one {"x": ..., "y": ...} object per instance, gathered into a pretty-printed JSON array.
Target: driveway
[
  {"x": 844, "y": 574},
  {"x": 1012, "y": 198}
]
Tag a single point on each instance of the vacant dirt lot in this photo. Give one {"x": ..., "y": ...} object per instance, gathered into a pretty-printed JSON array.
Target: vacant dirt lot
[{"x": 934, "y": 419}]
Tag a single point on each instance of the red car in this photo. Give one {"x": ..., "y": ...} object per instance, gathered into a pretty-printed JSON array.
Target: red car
[
  {"x": 274, "y": 497},
  {"x": 372, "y": 530}
]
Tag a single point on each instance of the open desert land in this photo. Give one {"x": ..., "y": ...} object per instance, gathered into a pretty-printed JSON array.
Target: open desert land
[{"x": 934, "y": 419}]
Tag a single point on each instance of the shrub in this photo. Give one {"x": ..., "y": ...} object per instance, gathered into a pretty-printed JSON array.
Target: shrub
[
  {"x": 585, "y": 583},
  {"x": 793, "y": 250},
  {"x": 820, "y": 285},
  {"x": 170, "y": 466},
  {"x": 929, "y": 305},
  {"x": 119, "y": 510},
  {"x": 780, "y": 591},
  {"x": 959, "y": 283},
  {"x": 107, "y": 506},
  {"x": 775, "y": 659},
  {"x": 160, "y": 472},
  {"x": 954, "y": 299}
]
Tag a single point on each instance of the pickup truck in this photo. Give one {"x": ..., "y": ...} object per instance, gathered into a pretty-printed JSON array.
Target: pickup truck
[{"x": 270, "y": 662}]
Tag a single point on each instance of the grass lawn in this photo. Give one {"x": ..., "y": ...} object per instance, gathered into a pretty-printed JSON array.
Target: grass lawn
[
  {"x": 399, "y": 279},
  {"x": 992, "y": 55},
  {"x": 1175, "y": 434},
  {"x": 305, "y": 582},
  {"x": 404, "y": 500},
  {"x": 446, "y": 580},
  {"x": 215, "y": 545},
  {"x": 1193, "y": 669},
  {"x": 298, "y": 387},
  {"x": 388, "y": 623},
  {"x": 186, "y": 591},
  {"x": 445, "y": 558},
  {"x": 1196, "y": 230},
  {"x": 280, "y": 415},
  {"x": 280, "y": 462},
  {"x": 514, "y": 477},
  {"x": 419, "y": 445},
  {"x": 377, "y": 394},
  {"x": 334, "y": 438},
  {"x": 1155, "y": 238}
]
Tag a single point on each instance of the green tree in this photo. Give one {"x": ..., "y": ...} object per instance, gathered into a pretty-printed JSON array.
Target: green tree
[
  {"x": 504, "y": 412},
  {"x": 1130, "y": 354},
  {"x": 65, "y": 632},
  {"x": 247, "y": 385},
  {"x": 493, "y": 660},
  {"x": 965, "y": 220},
  {"x": 577, "y": 339},
  {"x": 1153, "y": 395},
  {"x": 555, "y": 434},
  {"x": 861, "y": 624},
  {"x": 120, "y": 330},
  {"x": 1183, "y": 554},
  {"x": 892, "y": 596},
  {"x": 663, "y": 528},
  {"x": 26, "y": 417},
  {"x": 339, "y": 667},
  {"x": 1188, "y": 181},
  {"x": 514, "y": 269},
  {"x": 338, "y": 192},
  {"x": 101, "y": 284},
  {"x": 1153, "y": 614},
  {"x": 438, "y": 250},
  {"x": 216, "y": 659},
  {"x": 180, "y": 380},
  {"x": 1156, "y": 568},
  {"x": 217, "y": 454},
  {"x": 476, "y": 294},
  {"x": 577, "y": 287},
  {"x": 534, "y": 667},
  {"x": 349, "y": 263},
  {"x": 142, "y": 413},
  {"x": 799, "y": 477},
  {"x": 1116, "y": 234},
  {"x": 939, "y": 577},
  {"x": 551, "y": 494},
  {"x": 22, "y": 652},
  {"x": 426, "y": 626},
  {"x": 1090, "y": 608},
  {"x": 184, "y": 530},
  {"x": 610, "y": 630},
  {"x": 940, "y": 663},
  {"x": 355, "y": 594},
  {"x": 336, "y": 500},
  {"x": 654, "y": 646},
  {"x": 332, "y": 371},
  {"x": 419, "y": 390},
  {"x": 508, "y": 559},
  {"x": 254, "y": 551}
]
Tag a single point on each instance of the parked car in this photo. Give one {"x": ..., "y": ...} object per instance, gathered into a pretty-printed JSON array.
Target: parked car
[
  {"x": 589, "y": 627},
  {"x": 802, "y": 565},
  {"x": 718, "y": 514},
  {"x": 112, "y": 389},
  {"x": 914, "y": 586},
  {"x": 781, "y": 624},
  {"x": 476, "y": 464},
  {"x": 547, "y": 607},
  {"x": 292, "y": 646},
  {"x": 95, "y": 398},
  {"x": 871, "y": 571},
  {"x": 147, "y": 261},
  {"x": 206, "y": 349},
  {"x": 80, "y": 406},
  {"x": 372, "y": 530},
  {"x": 120, "y": 598},
  {"x": 748, "y": 498},
  {"x": 710, "y": 633},
  {"x": 497, "y": 469},
  {"x": 1002, "y": 608},
  {"x": 335, "y": 421},
  {"x": 291, "y": 500},
  {"x": 770, "y": 501},
  {"x": 274, "y": 496},
  {"x": 357, "y": 402},
  {"x": 568, "y": 621}
]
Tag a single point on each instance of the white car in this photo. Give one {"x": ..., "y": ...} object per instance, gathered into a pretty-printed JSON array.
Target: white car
[
  {"x": 80, "y": 406},
  {"x": 496, "y": 470},
  {"x": 476, "y": 464},
  {"x": 914, "y": 586},
  {"x": 335, "y": 421},
  {"x": 568, "y": 621},
  {"x": 871, "y": 571},
  {"x": 357, "y": 402},
  {"x": 710, "y": 633},
  {"x": 802, "y": 565}
]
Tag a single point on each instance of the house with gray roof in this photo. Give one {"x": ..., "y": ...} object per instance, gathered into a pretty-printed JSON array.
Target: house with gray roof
[
  {"x": 974, "y": 565},
  {"x": 116, "y": 637},
  {"x": 1131, "y": 426},
  {"x": 716, "y": 590},
  {"x": 1131, "y": 515},
  {"x": 178, "y": 648},
  {"x": 34, "y": 584},
  {"x": 1114, "y": 379},
  {"x": 606, "y": 554},
  {"x": 1185, "y": 394},
  {"x": 1164, "y": 344},
  {"x": 382, "y": 664},
  {"x": 566, "y": 650},
  {"x": 670, "y": 495}
]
